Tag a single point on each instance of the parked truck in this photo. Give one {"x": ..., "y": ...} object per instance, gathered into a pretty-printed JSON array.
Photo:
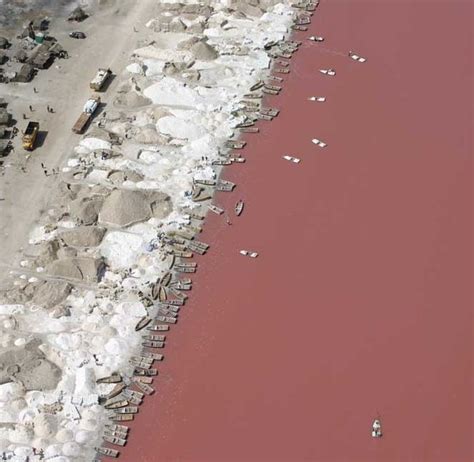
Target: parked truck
[
  {"x": 100, "y": 78},
  {"x": 30, "y": 135},
  {"x": 88, "y": 111}
]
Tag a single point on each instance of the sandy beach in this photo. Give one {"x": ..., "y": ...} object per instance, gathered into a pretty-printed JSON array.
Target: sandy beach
[{"x": 359, "y": 303}]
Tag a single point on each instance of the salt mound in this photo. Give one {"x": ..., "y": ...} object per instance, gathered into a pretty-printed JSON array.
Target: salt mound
[
  {"x": 169, "y": 91},
  {"x": 203, "y": 51},
  {"x": 131, "y": 99},
  {"x": 45, "y": 425},
  {"x": 121, "y": 249},
  {"x": 125, "y": 207},
  {"x": 85, "y": 210},
  {"x": 179, "y": 128},
  {"x": 83, "y": 268},
  {"x": 51, "y": 293},
  {"x": 95, "y": 143},
  {"x": 84, "y": 236},
  {"x": 135, "y": 68}
]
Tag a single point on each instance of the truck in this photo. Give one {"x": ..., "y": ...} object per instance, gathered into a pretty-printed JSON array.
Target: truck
[
  {"x": 100, "y": 78},
  {"x": 30, "y": 135},
  {"x": 88, "y": 111}
]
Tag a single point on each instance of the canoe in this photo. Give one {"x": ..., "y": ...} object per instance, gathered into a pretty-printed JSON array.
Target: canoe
[
  {"x": 282, "y": 63},
  {"x": 145, "y": 372},
  {"x": 155, "y": 338},
  {"x": 239, "y": 207},
  {"x": 167, "y": 319},
  {"x": 214, "y": 208},
  {"x": 122, "y": 417},
  {"x": 107, "y": 452},
  {"x": 143, "y": 379},
  {"x": 205, "y": 182},
  {"x": 116, "y": 390},
  {"x": 117, "y": 428},
  {"x": 274, "y": 77},
  {"x": 115, "y": 440},
  {"x": 142, "y": 323},
  {"x": 269, "y": 111},
  {"x": 166, "y": 279},
  {"x": 162, "y": 294},
  {"x": 151, "y": 344},
  {"x": 116, "y": 404},
  {"x": 114, "y": 378},
  {"x": 153, "y": 355},
  {"x": 158, "y": 328},
  {"x": 256, "y": 86},
  {"x": 180, "y": 269},
  {"x": 282, "y": 71},
  {"x": 300, "y": 28},
  {"x": 127, "y": 410},
  {"x": 221, "y": 162},
  {"x": 128, "y": 393},
  {"x": 147, "y": 389},
  {"x": 270, "y": 92}
]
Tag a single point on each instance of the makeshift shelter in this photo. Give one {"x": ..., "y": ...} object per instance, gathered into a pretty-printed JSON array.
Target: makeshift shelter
[{"x": 25, "y": 74}]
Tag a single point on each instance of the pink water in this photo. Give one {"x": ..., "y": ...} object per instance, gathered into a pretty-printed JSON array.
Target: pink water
[{"x": 360, "y": 303}]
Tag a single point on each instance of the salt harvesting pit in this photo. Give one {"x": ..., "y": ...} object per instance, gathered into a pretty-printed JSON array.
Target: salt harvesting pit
[{"x": 123, "y": 214}]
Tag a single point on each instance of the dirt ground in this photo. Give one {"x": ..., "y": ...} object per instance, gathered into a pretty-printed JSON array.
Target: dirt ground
[{"x": 24, "y": 188}]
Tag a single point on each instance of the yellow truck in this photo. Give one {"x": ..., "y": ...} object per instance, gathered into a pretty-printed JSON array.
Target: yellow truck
[{"x": 30, "y": 135}]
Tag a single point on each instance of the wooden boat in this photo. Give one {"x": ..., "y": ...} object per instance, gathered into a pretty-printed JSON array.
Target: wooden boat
[
  {"x": 190, "y": 264},
  {"x": 275, "y": 78},
  {"x": 200, "y": 244},
  {"x": 158, "y": 328},
  {"x": 179, "y": 302},
  {"x": 151, "y": 344},
  {"x": 168, "y": 319},
  {"x": 115, "y": 440},
  {"x": 142, "y": 365},
  {"x": 264, "y": 117},
  {"x": 114, "y": 378},
  {"x": 282, "y": 71},
  {"x": 127, "y": 410},
  {"x": 295, "y": 160},
  {"x": 226, "y": 186},
  {"x": 237, "y": 160},
  {"x": 170, "y": 308},
  {"x": 239, "y": 207},
  {"x": 166, "y": 278},
  {"x": 196, "y": 249},
  {"x": 256, "y": 86},
  {"x": 195, "y": 216},
  {"x": 316, "y": 38},
  {"x": 116, "y": 404},
  {"x": 143, "y": 379},
  {"x": 250, "y": 130},
  {"x": 236, "y": 144},
  {"x": 221, "y": 162},
  {"x": 303, "y": 21},
  {"x": 249, "y": 253},
  {"x": 128, "y": 393},
  {"x": 270, "y": 111},
  {"x": 155, "y": 338},
  {"x": 107, "y": 452},
  {"x": 122, "y": 417},
  {"x": 147, "y": 389},
  {"x": 214, "y": 208},
  {"x": 270, "y": 92},
  {"x": 253, "y": 95},
  {"x": 183, "y": 254},
  {"x": 142, "y": 323},
  {"x": 120, "y": 434},
  {"x": 154, "y": 356},
  {"x": 116, "y": 390},
  {"x": 205, "y": 182},
  {"x": 300, "y": 28},
  {"x": 282, "y": 63},
  {"x": 178, "y": 294},
  {"x": 142, "y": 359},
  {"x": 117, "y": 428},
  {"x": 248, "y": 123},
  {"x": 145, "y": 372},
  {"x": 283, "y": 55},
  {"x": 180, "y": 269},
  {"x": 162, "y": 294}
]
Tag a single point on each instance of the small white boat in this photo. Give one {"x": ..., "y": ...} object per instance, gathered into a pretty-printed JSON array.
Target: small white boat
[
  {"x": 147, "y": 389},
  {"x": 376, "y": 429},
  {"x": 108, "y": 452},
  {"x": 330, "y": 72},
  {"x": 249, "y": 253},
  {"x": 319, "y": 143},
  {"x": 319, "y": 99},
  {"x": 357, "y": 58},
  {"x": 295, "y": 160},
  {"x": 316, "y": 38}
]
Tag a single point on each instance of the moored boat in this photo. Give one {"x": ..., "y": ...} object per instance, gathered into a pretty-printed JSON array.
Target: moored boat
[
  {"x": 158, "y": 328},
  {"x": 239, "y": 207},
  {"x": 142, "y": 323},
  {"x": 107, "y": 452},
  {"x": 214, "y": 208},
  {"x": 115, "y": 440},
  {"x": 114, "y": 378}
]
